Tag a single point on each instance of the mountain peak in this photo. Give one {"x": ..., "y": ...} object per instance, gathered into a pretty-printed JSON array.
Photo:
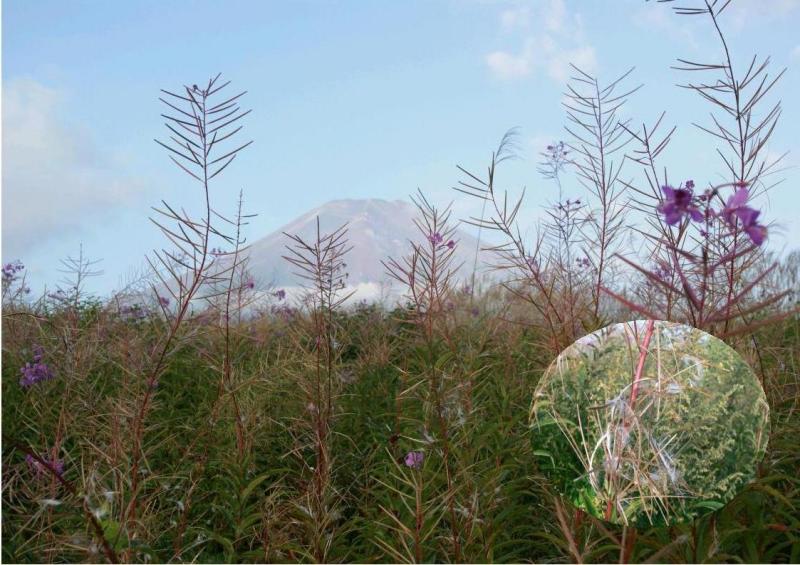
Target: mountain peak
[{"x": 378, "y": 229}]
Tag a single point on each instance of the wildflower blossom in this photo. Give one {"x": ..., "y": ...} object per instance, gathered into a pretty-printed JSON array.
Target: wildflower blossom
[
  {"x": 163, "y": 301},
  {"x": 679, "y": 202},
  {"x": 55, "y": 465},
  {"x": 451, "y": 244},
  {"x": 583, "y": 262},
  {"x": 663, "y": 271},
  {"x": 556, "y": 155},
  {"x": 570, "y": 206},
  {"x": 132, "y": 312},
  {"x": 280, "y": 294},
  {"x": 11, "y": 271},
  {"x": 736, "y": 207},
  {"x": 436, "y": 238},
  {"x": 414, "y": 459},
  {"x": 35, "y": 372}
]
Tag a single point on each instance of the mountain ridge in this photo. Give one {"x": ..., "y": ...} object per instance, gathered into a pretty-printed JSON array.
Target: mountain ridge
[{"x": 377, "y": 230}]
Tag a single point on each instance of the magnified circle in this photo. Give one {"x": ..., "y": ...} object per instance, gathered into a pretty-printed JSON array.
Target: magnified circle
[{"x": 649, "y": 423}]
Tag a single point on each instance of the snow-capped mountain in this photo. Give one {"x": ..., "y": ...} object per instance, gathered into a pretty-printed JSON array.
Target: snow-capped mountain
[{"x": 377, "y": 230}]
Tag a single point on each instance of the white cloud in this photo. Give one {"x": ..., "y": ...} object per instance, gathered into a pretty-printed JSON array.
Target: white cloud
[
  {"x": 736, "y": 17},
  {"x": 555, "y": 16},
  {"x": 663, "y": 19},
  {"x": 743, "y": 12},
  {"x": 558, "y": 64},
  {"x": 554, "y": 38},
  {"x": 55, "y": 178},
  {"x": 505, "y": 65},
  {"x": 518, "y": 17}
]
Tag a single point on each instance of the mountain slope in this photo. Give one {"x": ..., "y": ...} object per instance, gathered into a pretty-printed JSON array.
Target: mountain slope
[{"x": 377, "y": 230}]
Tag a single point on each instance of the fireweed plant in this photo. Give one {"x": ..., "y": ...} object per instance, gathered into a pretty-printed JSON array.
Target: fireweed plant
[
  {"x": 704, "y": 242},
  {"x": 200, "y": 123},
  {"x": 200, "y": 415},
  {"x": 440, "y": 498},
  {"x": 320, "y": 264},
  {"x": 426, "y": 275},
  {"x": 705, "y": 261}
]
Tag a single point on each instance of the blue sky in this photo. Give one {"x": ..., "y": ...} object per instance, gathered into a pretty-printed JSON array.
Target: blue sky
[{"x": 350, "y": 100}]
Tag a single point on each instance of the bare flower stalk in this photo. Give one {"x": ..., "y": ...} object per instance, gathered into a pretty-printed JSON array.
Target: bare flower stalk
[
  {"x": 530, "y": 279},
  {"x": 198, "y": 128},
  {"x": 320, "y": 264},
  {"x": 597, "y": 135}
]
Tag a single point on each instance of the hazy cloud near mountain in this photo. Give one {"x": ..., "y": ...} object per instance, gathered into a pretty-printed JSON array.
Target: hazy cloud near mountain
[{"x": 56, "y": 177}]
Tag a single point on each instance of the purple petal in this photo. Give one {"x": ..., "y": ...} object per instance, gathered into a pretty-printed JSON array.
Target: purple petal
[
  {"x": 748, "y": 215},
  {"x": 757, "y": 234},
  {"x": 696, "y": 214},
  {"x": 739, "y": 198}
]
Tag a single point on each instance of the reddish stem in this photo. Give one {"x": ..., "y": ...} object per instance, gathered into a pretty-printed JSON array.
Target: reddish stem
[
  {"x": 637, "y": 377},
  {"x": 642, "y": 358}
]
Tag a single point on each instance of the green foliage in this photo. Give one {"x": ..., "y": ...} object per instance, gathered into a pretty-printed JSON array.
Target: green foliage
[
  {"x": 200, "y": 501},
  {"x": 697, "y": 431}
]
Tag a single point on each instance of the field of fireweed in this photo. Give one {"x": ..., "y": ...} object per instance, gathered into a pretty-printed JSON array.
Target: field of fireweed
[{"x": 198, "y": 416}]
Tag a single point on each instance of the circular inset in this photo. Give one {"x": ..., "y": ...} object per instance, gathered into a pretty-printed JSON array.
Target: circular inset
[{"x": 649, "y": 423}]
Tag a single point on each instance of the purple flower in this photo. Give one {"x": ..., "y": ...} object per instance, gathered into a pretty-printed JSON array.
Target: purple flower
[
  {"x": 556, "y": 152},
  {"x": 750, "y": 225},
  {"x": 36, "y": 372},
  {"x": 451, "y": 244},
  {"x": 163, "y": 301},
  {"x": 435, "y": 238},
  {"x": 280, "y": 294},
  {"x": 736, "y": 207},
  {"x": 583, "y": 262},
  {"x": 735, "y": 202},
  {"x": 677, "y": 203},
  {"x": 10, "y": 271},
  {"x": 39, "y": 469},
  {"x": 663, "y": 271},
  {"x": 132, "y": 312},
  {"x": 414, "y": 459}
]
